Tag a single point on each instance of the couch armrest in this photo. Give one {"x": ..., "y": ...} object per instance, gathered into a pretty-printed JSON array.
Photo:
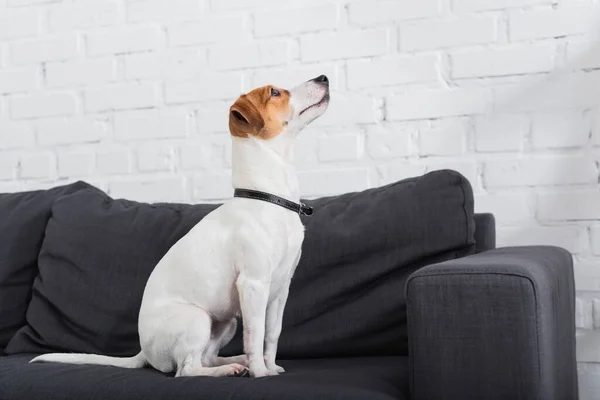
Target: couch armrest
[{"x": 495, "y": 325}]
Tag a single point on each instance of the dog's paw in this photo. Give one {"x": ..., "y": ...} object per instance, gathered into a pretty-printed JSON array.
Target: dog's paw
[
  {"x": 236, "y": 370},
  {"x": 261, "y": 372},
  {"x": 276, "y": 368}
]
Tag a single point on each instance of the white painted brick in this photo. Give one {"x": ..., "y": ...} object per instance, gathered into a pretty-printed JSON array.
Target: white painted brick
[
  {"x": 156, "y": 190},
  {"x": 399, "y": 171},
  {"x": 296, "y": 20},
  {"x": 11, "y": 187},
  {"x": 209, "y": 30},
  {"x": 352, "y": 44},
  {"x": 584, "y": 312},
  {"x": 224, "y": 5},
  {"x": 121, "y": 96},
  {"x": 71, "y": 16},
  {"x": 18, "y": 23},
  {"x": 248, "y": 55},
  {"x": 508, "y": 208},
  {"x": 289, "y": 77},
  {"x": 206, "y": 87},
  {"x": 547, "y": 23},
  {"x": 75, "y": 163},
  {"x": 156, "y": 10},
  {"x": 574, "y": 205},
  {"x": 84, "y": 72},
  {"x": 350, "y": 108},
  {"x": 113, "y": 161},
  {"x": 466, "y": 168},
  {"x": 151, "y": 124},
  {"x": 346, "y": 147},
  {"x": 445, "y": 140},
  {"x": 23, "y": 3},
  {"x": 15, "y": 135},
  {"x": 507, "y": 61},
  {"x": 212, "y": 186},
  {"x": 176, "y": 65},
  {"x": 437, "y": 103},
  {"x": 61, "y": 131},
  {"x": 367, "y": 13},
  {"x": 38, "y": 165},
  {"x": 596, "y": 309},
  {"x": 560, "y": 129},
  {"x": 596, "y": 128},
  {"x": 391, "y": 140},
  {"x": 567, "y": 237},
  {"x": 500, "y": 132},
  {"x": 43, "y": 105},
  {"x": 391, "y": 71},
  {"x": 19, "y": 80},
  {"x": 439, "y": 34},
  {"x": 155, "y": 157},
  {"x": 587, "y": 278},
  {"x": 595, "y": 233},
  {"x": 213, "y": 117},
  {"x": 9, "y": 165},
  {"x": 330, "y": 182},
  {"x": 541, "y": 171},
  {"x": 483, "y": 5},
  {"x": 196, "y": 156},
  {"x": 122, "y": 41},
  {"x": 583, "y": 54},
  {"x": 43, "y": 50}
]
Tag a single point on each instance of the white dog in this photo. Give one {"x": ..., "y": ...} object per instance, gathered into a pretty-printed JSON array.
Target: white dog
[{"x": 239, "y": 259}]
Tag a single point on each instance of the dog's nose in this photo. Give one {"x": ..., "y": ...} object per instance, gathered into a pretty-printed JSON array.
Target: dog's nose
[{"x": 322, "y": 79}]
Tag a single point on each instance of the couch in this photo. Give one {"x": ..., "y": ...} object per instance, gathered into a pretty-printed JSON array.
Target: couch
[{"x": 400, "y": 294}]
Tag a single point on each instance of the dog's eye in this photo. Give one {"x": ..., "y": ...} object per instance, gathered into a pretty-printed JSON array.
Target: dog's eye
[{"x": 275, "y": 93}]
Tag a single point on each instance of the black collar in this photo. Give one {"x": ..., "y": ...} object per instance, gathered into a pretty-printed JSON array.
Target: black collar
[{"x": 301, "y": 208}]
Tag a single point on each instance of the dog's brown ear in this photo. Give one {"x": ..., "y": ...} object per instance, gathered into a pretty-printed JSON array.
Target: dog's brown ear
[{"x": 244, "y": 118}]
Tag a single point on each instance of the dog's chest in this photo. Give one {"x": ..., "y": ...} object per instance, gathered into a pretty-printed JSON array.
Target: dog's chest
[{"x": 290, "y": 236}]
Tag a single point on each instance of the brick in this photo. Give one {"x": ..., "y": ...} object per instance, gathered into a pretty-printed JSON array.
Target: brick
[
  {"x": 437, "y": 103},
  {"x": 152, "y": 191},
  {"x": 177, "y": 65},
  {"x": 365, "y": 13},
  {"x": 18, "y": 23},
  {"x": 548, "y": 23},
  {"x": 574, "y": 205},
  {"x": 206, "y": 87},
  {"x": 213, "y": 117},
  {"x": 228, "y": 29},
  {"x": 295, "y": 20},
  {"x": 10, "y": 187},
  {"x": 500, "y": 132},
  {"x": 122, "y": 41},
  {"x": 391, "y": 140},
  {"x": 43, "y": 50},
  {"x": 43, "y": 105},
  {"x": 19, "y": 80},
  {"x": 155, "y": 158},
  {"x": 333, "y": 46},
  {"x": 289, "y": 77},
  {"x": 350, "y": 108},
  {"x": 560, "y": 130},
  {"x": 75, "y": 164},
  {"x": 196, "y": 156},
  {"x": 596, "y": 128},
  {"x": 248, "y": 55},
  {"x": 568, "y": 237},
  {"x": 40, "y": 165},
  {"x": 595, "y": 233},
  {"x": 398, "y": 171},
  {"x": 121, "y": 96},
  {"x": 484, "y": 5},
  {"x": 212, "y": 186},
  {"x": 583, "y": 54},
  {"x": 225, "y": 5},
  {"x": 584, "y": 310},
  {"x": 449, "y": 139},
  {"x": 499, "y": 62},
  {"x": 440, "y": 34},
  {"x": 391, "y": 71},
  {"x": 113, "y": 161},
  {"x": 61, "y": 131},
  {"x": 346, "y": 147},
  {"x": 15, "y": 135},
  {"x": 156, "y": 10},
  {"x": 82, "y": 15},
  {"x": 9, "y": 166},
  {"x": 508, "y": 208},
  {"x": 80, "y": 72},
  {"x": 151, "y": 124},
  {"x": 23, "y": 3},
  {"x": 541, "y": 171},
  {"x": 467, "y": 168},
  {"x": 330, "y": 182}
]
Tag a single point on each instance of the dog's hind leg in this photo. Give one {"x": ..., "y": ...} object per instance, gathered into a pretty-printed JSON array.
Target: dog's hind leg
[{"x": 222, "y": 333}]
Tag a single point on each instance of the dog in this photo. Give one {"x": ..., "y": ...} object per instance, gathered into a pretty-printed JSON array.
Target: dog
[{"x": 238, "y": 260}]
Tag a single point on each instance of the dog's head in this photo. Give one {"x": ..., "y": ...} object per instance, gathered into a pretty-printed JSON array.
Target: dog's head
[{"x": 268, "y": 111}]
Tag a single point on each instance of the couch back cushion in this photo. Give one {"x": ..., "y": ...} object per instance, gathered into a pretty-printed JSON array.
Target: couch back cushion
[
  {"x": 23, "y": 219},
  {"x": 346, "y": 299}
]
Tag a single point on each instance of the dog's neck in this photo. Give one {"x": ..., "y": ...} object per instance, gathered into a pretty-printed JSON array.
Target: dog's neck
[{"x": 265, "y": 165}]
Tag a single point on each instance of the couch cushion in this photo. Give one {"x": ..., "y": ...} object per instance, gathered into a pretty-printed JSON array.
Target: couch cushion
[
  {"x": 23, "y": 219},
  {"x": 383, "y": 378},
  {"x": 346, "y": 299}
]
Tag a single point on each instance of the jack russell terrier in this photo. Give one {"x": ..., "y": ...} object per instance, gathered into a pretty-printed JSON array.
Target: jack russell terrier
[{"x": 239, "y": 259}]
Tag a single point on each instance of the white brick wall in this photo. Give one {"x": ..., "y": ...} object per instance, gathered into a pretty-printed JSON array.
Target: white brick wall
[{"x": 133, "y": 96}]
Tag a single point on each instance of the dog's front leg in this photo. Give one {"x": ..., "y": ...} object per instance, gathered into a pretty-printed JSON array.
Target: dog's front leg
[
  {"x": 253, "y": 303},
  {"x": 274, "y": 322}
]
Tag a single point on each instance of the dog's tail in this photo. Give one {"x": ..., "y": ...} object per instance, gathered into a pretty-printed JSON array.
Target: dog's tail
[{"x": 137, "y": 361}]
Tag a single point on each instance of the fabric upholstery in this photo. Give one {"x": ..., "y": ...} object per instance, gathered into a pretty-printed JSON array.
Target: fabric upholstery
[{"x": 485, "y": 232}]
